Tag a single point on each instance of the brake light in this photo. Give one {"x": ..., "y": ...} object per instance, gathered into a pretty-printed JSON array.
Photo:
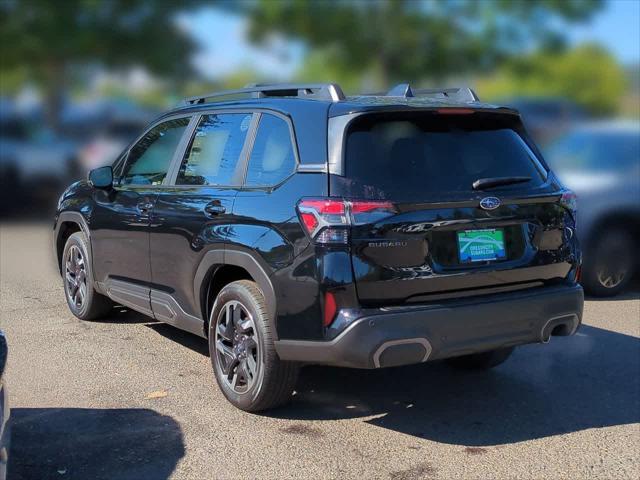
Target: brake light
[
  {"x": 455, "y": 111},
  {"x": 327, "y": 220},
  {"x": 309, "y": 220}
]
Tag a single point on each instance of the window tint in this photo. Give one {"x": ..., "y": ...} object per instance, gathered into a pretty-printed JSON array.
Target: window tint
[
  {"x": 213, "y": 154},
  {"x": 149, "y": 159},
  {"x": 409, "y": 158},
  {"x": 272, "y": 158}
]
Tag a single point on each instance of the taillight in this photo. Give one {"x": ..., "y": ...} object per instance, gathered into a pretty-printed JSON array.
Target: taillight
[{"x": 327, "y": 220}]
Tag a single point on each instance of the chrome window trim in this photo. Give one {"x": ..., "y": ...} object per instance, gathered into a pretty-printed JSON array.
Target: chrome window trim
[{"x": 313, "y": 168}]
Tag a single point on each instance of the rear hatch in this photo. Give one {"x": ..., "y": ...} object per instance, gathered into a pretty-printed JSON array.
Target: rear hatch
[{"x": 459, "y": 204}]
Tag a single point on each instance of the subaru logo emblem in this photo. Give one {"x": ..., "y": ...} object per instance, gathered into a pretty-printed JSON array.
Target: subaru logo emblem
[{"x": 489, "y": 203}]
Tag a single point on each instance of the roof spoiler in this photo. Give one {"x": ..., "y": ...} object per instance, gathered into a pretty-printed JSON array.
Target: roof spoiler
[{"x": 461, "y": 94}]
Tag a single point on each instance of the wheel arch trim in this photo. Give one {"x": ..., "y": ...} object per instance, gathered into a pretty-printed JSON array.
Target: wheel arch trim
[
  {"x": 78, "y": 219},
  {"x": 247, "y": 262}
]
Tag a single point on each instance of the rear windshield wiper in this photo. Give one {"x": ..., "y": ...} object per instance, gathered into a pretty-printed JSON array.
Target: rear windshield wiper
[{"x": 484, "y": 183}]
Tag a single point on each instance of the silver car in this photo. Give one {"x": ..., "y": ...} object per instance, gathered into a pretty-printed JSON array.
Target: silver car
[{"x": 600, "y": 162}]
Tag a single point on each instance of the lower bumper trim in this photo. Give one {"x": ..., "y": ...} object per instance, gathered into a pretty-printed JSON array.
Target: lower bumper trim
[{"x": 441, "y": 331}]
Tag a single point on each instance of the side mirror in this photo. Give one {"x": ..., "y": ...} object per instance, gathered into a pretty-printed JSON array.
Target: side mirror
[{"x": 101, "y": 177}]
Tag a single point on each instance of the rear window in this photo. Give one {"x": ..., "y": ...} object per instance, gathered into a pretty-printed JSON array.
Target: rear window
[{"x": 412, "y": 157}]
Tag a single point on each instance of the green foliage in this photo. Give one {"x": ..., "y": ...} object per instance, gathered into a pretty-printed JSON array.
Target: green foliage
[
  {"x": 588, "y": 75},
  {"x": 44, "y": 38},
  {"x": 394, "y": 40},
  {"x": 41, "y": 33}
]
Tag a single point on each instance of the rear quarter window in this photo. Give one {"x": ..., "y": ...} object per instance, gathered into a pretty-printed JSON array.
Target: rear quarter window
[
  {"x": 413, "y": 157},
  {"x": 272, "y": 158}
]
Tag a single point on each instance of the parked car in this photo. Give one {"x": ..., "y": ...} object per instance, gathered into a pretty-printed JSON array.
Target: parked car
[
  {"x": 5, "y": 430},
  {"x": 35, "y": 165},
  {"x": 547, "y": 118},
  {"x": 601, "y": 163},
  {"x": 117, "y": 125},
  {"x": 289, "y": 224}
]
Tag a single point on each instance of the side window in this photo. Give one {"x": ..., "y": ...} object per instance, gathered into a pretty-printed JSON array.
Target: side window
[
  {"x": 149, "y": 159},
  {"x": 214, "y": 150},
  {"x": 272, "y": 158}
]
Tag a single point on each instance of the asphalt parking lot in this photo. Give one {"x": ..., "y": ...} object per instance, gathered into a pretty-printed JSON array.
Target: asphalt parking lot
[{"x": 130, "y": 398}]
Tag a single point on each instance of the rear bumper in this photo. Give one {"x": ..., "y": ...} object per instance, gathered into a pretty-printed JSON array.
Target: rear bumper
[{"x": 406, "y": 335}]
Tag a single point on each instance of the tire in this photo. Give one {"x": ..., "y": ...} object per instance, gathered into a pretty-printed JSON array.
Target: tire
[
  {"x": 482, "y": 361},
  {"x": 82, "y": 299},
  {"x": 609, "y": 264},
  {"x": 246, "y": 366}
]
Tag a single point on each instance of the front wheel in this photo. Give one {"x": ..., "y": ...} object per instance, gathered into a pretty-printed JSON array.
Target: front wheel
[
  {"x": 247, "y": 368},
  {"x": 482, "y": 361},
  {"x": 84, "y": 302}
]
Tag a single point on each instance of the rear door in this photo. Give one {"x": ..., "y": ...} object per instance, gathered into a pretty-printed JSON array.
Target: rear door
[
  {"x": 432, "y": 234},
  {"x": 193, "y": 215}
]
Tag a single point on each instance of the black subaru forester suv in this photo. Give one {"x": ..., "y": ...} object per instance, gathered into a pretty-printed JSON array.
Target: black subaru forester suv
[{"x": 291, "y": 225}]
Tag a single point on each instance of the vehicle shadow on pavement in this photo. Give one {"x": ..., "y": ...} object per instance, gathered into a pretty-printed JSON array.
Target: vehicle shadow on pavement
[
  {"x": 124, "y": 315},
  {"x": 186, "y": 339},
  {"x": 631, "y": 293},
  {"x": 84, "y": 443},
  {"x": 575, "y": 383}
]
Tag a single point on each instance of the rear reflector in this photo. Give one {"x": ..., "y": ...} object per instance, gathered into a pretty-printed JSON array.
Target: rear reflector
[{"x": 330, "y": 309}]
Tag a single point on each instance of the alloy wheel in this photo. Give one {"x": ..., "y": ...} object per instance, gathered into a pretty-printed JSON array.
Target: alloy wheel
[
  {"x": 237, "y": 352},
  {"x": 614, "y": 259},
  {"x": 76, "y": 277},
  {"x": 611, "y": 277}
]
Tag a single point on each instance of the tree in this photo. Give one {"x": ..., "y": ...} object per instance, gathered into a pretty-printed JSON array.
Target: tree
[
  {"x": 587, "y": 74},
  {"x": 397, "y": 40},
  {"x": 46, "y": 38}
]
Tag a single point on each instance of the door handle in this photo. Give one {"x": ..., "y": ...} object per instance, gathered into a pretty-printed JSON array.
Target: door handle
[
  {"x": 213, "y": 209},
  {"x": 144, "y": 208}
]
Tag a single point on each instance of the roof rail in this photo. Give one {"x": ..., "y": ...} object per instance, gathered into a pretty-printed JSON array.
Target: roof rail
[
  {"x": 463, "y": 94},
  {"x": 317, "y": 91}
]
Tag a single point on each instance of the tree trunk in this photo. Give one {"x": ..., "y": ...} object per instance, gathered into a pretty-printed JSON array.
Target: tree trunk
[{"x": 55, "y": 88}]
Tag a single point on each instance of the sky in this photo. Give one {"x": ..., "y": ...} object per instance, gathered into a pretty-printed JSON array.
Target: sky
[
  {"x": 208, "y": 26},
  {"x": 617, "y": 27},
  {"x": 225, "y": 44}
]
